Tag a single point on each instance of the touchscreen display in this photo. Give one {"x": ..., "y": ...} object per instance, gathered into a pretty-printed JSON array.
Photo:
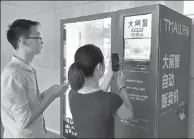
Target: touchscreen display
[
  {"x": 137, "y": 37},
  {"x": 136, "y": 50}
]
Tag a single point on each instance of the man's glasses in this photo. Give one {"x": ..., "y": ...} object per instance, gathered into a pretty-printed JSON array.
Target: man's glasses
[{"x": 40, "y": 38}]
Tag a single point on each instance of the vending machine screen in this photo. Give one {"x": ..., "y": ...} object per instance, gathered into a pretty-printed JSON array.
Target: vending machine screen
[
  {"x": 137, "y": 42},
  {"x": 137, "y": 50}
]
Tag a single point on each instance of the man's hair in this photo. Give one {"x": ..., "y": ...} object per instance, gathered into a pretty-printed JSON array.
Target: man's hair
[{"x": 20, "y": 27}]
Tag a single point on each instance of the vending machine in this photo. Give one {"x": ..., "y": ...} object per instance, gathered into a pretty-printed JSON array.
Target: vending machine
[
  {"x": 154, "y": 43},
  {"x": 156, "y": 61}
]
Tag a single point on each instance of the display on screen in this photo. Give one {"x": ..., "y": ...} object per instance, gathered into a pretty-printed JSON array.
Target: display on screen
[
  {"x": 137, "y": 37},
  {"x": 137, "y": 50}
]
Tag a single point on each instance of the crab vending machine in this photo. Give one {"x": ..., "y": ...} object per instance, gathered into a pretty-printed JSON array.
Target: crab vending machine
[
  {"x": 154, "y": 44},
  {"x": 156, "y": 62}
]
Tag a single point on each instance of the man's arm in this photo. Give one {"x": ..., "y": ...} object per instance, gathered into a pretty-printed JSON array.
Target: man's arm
[
  {"x": 53, "y": 92},
  {"x": 16, "y": 101},
  {"x": 40, "y": 109}
]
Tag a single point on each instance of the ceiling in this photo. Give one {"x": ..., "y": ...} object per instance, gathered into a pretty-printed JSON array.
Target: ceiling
[{"x": 15, "y": 8}]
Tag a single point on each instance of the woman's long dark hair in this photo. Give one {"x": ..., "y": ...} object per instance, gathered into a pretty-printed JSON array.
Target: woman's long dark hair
[{"x": 86, "y": 59}]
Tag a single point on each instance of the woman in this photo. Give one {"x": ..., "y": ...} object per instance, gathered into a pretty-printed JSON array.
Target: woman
[{"x": 91, "y": 107}]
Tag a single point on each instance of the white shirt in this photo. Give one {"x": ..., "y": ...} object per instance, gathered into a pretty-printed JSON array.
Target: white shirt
[{"x": 19, "y": 97}]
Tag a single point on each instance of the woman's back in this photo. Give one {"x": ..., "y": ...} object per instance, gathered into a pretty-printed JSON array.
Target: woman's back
[
  {"x": 93, "y": 110},
  {"x": 93, "y": 113}
]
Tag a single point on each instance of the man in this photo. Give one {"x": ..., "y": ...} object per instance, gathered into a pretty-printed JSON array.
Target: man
[{"x": 22, "y": 105}]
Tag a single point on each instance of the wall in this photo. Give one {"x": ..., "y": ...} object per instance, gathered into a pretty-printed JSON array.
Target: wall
[
  {"x": 189, "y": 11},
  {"x": 191, "y": 109},
  {"x": 49, "y": 13}
]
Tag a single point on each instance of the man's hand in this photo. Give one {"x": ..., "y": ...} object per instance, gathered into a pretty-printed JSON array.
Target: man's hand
[
  {"x": 48, "y": 97},
  {"x": 57, "y": 90}
]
